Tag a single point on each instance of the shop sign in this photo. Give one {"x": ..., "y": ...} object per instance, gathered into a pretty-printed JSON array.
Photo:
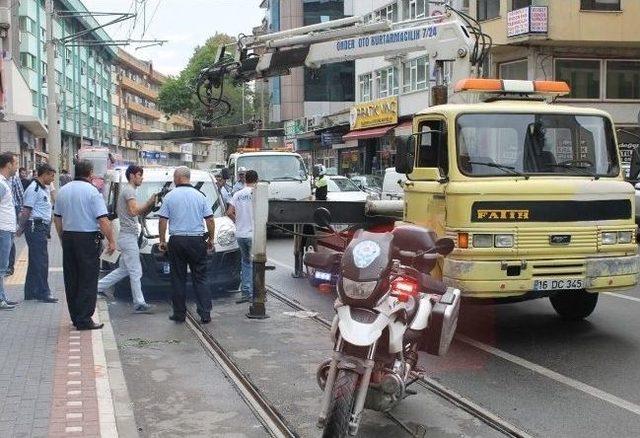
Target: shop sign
[
  {"x": 379, "y": 112},
  {"x": 628, "y": 141},
  {"x": 186, "y": 148},
  {"x": 294, "y": 127},
  {"x": 328, "y": 138},
  {"x": 533, "y": 19}
]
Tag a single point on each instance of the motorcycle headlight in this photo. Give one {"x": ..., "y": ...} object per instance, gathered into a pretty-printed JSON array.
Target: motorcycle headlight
[
  {"x": 357, "y": 290},
  {"x": 504, "y": 240},
  {"x": 226, "y": 236}
]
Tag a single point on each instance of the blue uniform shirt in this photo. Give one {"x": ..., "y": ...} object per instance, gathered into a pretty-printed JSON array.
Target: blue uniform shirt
[
  {"x": 185, "y": 208},
  {"x": 38, "y": 199},
  {"x": 80, "y": 205}
]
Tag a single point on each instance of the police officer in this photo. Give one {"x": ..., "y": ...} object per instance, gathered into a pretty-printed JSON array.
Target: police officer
[
  {"x": 186, "y": 210},
  {"x": 35, "y": 222},
  {"x": 79, "y": 213},
  {"x": 319, "y": 172}
]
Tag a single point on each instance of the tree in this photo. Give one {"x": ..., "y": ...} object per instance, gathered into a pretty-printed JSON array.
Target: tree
[{"x": 178, "y": 95}]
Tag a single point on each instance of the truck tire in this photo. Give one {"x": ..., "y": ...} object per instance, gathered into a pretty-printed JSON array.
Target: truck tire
[
  {"x": 574, "y": 306},
  {"x": 343, "y": 397}
]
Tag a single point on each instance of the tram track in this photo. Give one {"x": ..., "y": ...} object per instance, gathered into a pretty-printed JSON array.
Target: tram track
[
  {"x": 431, "y": 385},
  {"x": 274, "y": 423}
]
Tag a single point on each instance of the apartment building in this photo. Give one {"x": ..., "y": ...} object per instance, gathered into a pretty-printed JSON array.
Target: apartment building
[
  {"x": 591, "y": 44},
  {"x": 83, "y": 80}
]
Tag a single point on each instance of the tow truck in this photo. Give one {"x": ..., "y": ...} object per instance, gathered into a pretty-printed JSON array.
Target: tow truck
[{"x": 532, "y": 192}]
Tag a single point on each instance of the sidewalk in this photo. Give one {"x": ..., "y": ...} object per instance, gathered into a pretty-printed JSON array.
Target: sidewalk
[{"x": 55, "y": 380}]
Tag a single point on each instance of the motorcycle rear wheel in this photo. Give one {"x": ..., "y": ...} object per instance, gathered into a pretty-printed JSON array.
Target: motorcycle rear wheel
[{"x": 343, "y": 397}]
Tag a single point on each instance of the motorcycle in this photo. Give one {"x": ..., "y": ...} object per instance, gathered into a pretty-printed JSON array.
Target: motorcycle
[{"x": 388, "y": 309}]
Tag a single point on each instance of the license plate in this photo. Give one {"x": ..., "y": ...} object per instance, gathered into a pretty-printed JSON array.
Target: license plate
[
  {"x": 559, "y": 284},
  {"x": 166, "y": 268},
  {"x": 323, "y": 275}
]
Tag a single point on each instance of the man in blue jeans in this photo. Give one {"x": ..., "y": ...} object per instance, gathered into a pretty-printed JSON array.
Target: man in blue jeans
[
  {"x": 8, "y": 222},
  {"x": 18, "y": 199},
  {"x": 241, "y": 212}
]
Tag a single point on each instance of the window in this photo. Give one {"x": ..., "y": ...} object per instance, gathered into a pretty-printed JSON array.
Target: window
[
  {"x": 413, "y": 9},
  {"x": 59, "y": 79},
  {"x": 513, "y": 70},
  {"x": 365, "y": 83},
  {"x": 488, "y": 9},
  {"x": 623, "y": 79},
  {"x": 599, "y": 5},
  {"x": 432, "y": 146},
  {"x": 28, "y": 60},
  {"x": 583, "y": 76},
  {"x": 44, "y": 68},
  {"x": 415, "y": 75},
  {"x": 389, "y": 12},
  {"x": 519, "y": 4},
  {"x": 34, "y": 98},
  {"x": 69, "y": 84},
  {"x": 387, "y": 82}
]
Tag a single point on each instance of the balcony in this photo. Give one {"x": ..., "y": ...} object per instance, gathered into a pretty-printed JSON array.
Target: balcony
[
  {"x": 143, "y": 110},
  {"x": 138, "y": 88},
  {"x": 134, "y": 63}
]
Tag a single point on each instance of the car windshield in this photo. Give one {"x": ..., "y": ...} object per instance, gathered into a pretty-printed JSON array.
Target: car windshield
[
  {"x": 369, "y": 181},
  {"x": 147, "y": 189},
  {"x": 534, "y": 144},
  {"x": 275, "y": 167},
  {"x": 341, "y": 185}
]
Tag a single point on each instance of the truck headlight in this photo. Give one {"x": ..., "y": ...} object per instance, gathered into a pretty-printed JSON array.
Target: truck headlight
[
  {"x": 504, "y": 241},
  {"x": 625, "y": 237},
  {"x": 609, "y": 238},
  {"x": 482, "y": 240}
]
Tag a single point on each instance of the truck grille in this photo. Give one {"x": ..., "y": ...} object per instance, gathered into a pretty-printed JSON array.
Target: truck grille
[
  {"x": 532, "y": 242},
  {"x": 568, "y": 268}
]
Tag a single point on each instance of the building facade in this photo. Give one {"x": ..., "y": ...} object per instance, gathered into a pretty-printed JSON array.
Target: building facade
[
  {"x": 83, "y": 78},
  {"x": 593, "y": 45}
]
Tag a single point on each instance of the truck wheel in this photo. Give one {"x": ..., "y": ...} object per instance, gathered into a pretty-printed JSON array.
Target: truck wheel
[{"x": 574, "y": 306}]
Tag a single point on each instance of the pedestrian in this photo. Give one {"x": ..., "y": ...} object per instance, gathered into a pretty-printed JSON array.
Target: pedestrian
[
  {"x": 321, "y": 184},
  {"x": 240, "y": 182},
  {"x": 79, "y": 214},
  {"x": 35, "y": 222},
  {"x": 8, "y": 222},
  {"x": 184, "y": 208},
  {"x": 222, "y": 179},
  {"x": 241, "y": 212},
  {"x": 64, "y": 177},
  {"x": 128, "y": 210},
  {"x": 24, "y": 178},
  {"x": 18, "y": 199}
]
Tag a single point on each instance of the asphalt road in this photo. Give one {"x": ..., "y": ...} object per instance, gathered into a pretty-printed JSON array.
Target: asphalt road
[{"x": 521, "y": 362}]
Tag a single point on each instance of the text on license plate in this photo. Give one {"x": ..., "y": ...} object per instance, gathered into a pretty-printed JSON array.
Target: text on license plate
[
  {"x": 323, "y": 275},
  {"x": 558, "y": 284}
]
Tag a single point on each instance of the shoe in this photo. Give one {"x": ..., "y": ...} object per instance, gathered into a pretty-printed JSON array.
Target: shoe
[
  {"x": 92, "y": 326},
  {"x": 6, "y": 306},
  {"x": 243, "y": 300},
  {"x": 143, "y": 308},
  {"x": 9, "y": 273},
  {"x": 205, "y": 319},
  {"x": 49, "y": 299},
  {"x": 176, "y": 318},
  {"x": 12, "y": 303}
]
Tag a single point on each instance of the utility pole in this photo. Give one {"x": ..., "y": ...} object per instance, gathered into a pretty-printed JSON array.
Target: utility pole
[{"x": 54, "y": 139}]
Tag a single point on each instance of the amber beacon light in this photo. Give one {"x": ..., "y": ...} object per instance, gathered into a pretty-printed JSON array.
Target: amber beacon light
[{"x": 506, "y": 86}]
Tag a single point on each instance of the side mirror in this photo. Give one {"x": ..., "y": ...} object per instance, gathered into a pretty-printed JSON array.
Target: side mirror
[
  {"x": 322, "y": 217},
  {"x": 444, "y": 246},
  {"x": 634, "y": 168},
  {"x": 405, "y": 156}
]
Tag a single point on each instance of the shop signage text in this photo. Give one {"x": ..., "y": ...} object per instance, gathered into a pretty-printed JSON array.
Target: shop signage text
[
  {"x": 387, "y": 38},
  {"x": 379, "y": 112},
  {"x": 532, "y": 19}
]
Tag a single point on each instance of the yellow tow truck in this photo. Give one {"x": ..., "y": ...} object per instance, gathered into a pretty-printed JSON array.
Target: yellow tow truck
[{"x": 531, "y": 192}]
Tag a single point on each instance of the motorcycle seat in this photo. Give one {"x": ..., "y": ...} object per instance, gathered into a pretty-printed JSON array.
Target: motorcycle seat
[{"x": 322, "y": 260}]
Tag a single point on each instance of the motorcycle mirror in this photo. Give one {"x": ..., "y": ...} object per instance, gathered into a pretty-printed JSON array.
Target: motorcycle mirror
[
  {"x": 444, "y": 246},
  {"x": 322, "y": 217}
]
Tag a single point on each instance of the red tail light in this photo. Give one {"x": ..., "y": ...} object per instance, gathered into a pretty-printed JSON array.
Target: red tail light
[{"x": 404, "y": 286}]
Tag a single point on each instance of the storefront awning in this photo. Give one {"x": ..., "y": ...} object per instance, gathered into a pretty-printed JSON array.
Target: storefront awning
[
  {"x": 364, "y": 134},
  {"x": 33, "y": 125}
]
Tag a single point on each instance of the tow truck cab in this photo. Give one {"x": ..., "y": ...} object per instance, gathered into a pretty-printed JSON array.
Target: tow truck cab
[
  {"x": 223, "y": 265},
  {"x": 533, "y": 195}
]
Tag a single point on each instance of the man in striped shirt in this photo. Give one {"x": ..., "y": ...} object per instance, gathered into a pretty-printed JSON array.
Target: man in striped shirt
[{"x": 17, "y": 190}]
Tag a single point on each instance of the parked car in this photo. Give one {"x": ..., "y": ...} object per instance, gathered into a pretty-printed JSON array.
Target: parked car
[
  {"x": 223, "y": 265},
  {"x": 341, "y": 188},
  {"x": 371, "y": 184},
  {"x": 393, "y": 184}
]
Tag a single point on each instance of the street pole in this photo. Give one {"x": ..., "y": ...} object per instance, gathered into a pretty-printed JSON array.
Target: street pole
[
  {"x": 54, "y": 139},
  {"x": 259, "y": 250}
]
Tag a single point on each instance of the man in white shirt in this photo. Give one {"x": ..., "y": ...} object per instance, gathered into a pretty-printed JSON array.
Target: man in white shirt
[
  {"x": 8, "y": 221},
  {"x": 241, "y": 212}
]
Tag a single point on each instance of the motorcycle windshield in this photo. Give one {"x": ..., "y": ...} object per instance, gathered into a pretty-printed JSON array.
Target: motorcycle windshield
[{"x": 368, "y": 257}]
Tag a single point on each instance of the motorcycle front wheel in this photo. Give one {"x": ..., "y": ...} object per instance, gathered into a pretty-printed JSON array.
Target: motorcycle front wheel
[{"x": 343, "y": 397}]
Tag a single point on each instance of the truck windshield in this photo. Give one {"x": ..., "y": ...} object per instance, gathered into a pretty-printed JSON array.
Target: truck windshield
[
  {"x": 275, "y": 167},
  {"x": 536, "y": 144},
  {"x": 147, "y": 189}
]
